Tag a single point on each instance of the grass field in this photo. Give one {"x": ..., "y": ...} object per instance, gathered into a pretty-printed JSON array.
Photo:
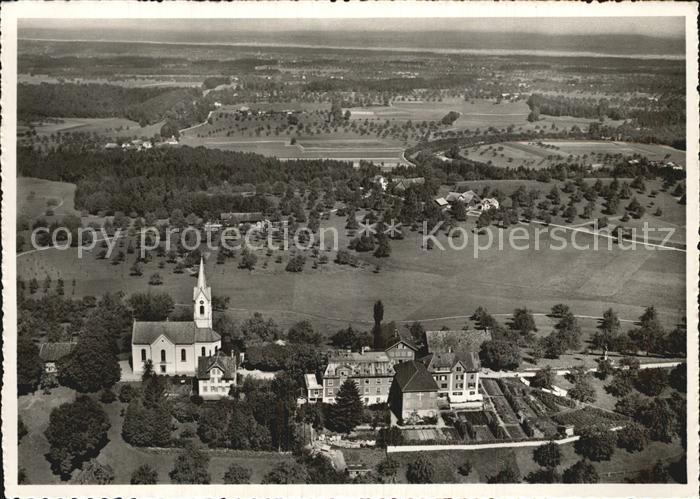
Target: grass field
[
  {"x": 107, "y": 127},
  {"x": 533, "y": 155},
  {"x": 121, "y": 80},
  {"x": 35, "y": 195}
]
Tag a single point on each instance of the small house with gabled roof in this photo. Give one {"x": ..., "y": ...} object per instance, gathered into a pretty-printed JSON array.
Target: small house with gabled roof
[{"x": 216, "y": 375}]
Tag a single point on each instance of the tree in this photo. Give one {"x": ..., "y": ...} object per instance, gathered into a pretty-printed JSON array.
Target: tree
[
  {"x": 191, "y": 466},
  {"x": 633, "y": 437},
  {"x": 465, "y": 468},
  {"x": 378, "y": 312},
  {"x": 93, "y": 364},
  {"x": 523, "y": 321},
  {"x": 560, "y": 310},
  {"x": 286, "y": 473},
  {"x": 507, "y": 474},
  {"x": 483, "y": 221},
  {"x": 660, "y": 419},
  {"x": 248, "y": 260},
  {"x": 296, "y": 263},
  {"x": 581, "y": 472},
  {"x": 651, "y": 381},
  {"x": 155, "y": 279},
  {"x": 76, "y": 432},
  {"x": 346, "y": 413},
  {"x": 95, "y": 473},
  {"x": 656, "y": 474},
  {"x": 678, "y": 377},
  {"x": 498, "y": 354},
  {"x": 29, "y": 366},
  {"x": 390, "y": 435},
  {"x": 596, "y": 444},
  {"x": 144, "y": 475},
  {"x": 543, "y": 378},
  {"x": 547, "y": 455},
  {"x": 388, "y": 468},
  {"x": 303, "y": 332},
  {"x": 151, "y": 306},
  {"x": 237, "y": 474},
  {"x": 543, "y": 475},
  {"x": 583, "y": 390},
  {"x": 383, "y": 249},
  {"x": 421, "y": 470}
]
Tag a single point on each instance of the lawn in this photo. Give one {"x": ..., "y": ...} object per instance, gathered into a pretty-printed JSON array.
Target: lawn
[
  {"x": 35, "y": 196},
  {"x": 110, "y": 128},
  {"x": 439, "y": 287},
  {"x": 534, "y": 155},
  {"x": 488, "y": 462}
]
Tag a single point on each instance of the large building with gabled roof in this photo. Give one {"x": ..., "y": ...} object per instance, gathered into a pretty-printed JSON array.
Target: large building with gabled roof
[
  {"x": 174, "y": 347},
  {"x": 413, "y": 391}
]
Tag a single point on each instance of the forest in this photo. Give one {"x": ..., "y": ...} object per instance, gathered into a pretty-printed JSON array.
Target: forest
[
  {"x": 144, "y": 181},
  {"x": 145, "y": 105}
]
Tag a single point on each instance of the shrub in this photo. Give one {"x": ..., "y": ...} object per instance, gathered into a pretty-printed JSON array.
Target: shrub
[{"x": 107, "y": 396}]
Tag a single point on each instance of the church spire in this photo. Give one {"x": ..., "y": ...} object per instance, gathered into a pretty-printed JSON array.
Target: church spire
[
  {"x": 201, "y": 279},
  {"x": 201, "y": 298}
]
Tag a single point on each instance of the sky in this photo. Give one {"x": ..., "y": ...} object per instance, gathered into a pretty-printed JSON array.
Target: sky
[{"x": 667, "y": 27}]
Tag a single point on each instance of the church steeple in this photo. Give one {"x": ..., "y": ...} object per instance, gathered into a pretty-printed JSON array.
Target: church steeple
[
  {"x": 201, "y": 279},
  {"x": 201, "y": 297}
]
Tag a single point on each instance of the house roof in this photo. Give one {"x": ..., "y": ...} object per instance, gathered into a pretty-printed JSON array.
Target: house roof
[
  {"x": 360, "y": 364},
  {"x": 180, "y": 333},
  {"x": 241, "y": 217},
  {"x": 223, "y": 362},
  {"x": 444, "y": 361},
  {"x": 51, "y": 352},
  {"x": 441, "y": 201},
  {"x": 395, "y": 340},
  {"x": 456, "y": 340},
  {"x": 412, "y": 376},
  {"x": 311, "y": 382}
]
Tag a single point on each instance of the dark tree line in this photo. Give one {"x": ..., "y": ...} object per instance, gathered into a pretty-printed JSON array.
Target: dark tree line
[{"x": 93, "y": 100}]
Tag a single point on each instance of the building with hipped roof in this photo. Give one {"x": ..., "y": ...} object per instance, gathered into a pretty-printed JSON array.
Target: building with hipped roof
[{"x": 372, "y": 371}]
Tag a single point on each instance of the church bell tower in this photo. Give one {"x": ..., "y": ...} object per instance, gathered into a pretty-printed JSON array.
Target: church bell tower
[{"x": 201, "y": 298}]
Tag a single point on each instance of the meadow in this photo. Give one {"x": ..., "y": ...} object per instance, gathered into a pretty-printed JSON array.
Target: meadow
[
  {"x": 111, "y": 128},
  {"x": 545, "y": 154}
]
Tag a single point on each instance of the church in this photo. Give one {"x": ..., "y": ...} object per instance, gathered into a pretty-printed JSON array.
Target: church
[{"x": 174, "y": 347}]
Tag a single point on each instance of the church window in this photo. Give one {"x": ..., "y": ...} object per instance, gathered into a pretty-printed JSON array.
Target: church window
[
  {"x": 204, "y": 352},
  {"x": 183, "y": 355},
  {"x": 162, "y": 355},
  {"x": 143, "y": 354},
  {"x": 201, "y": 310}
]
